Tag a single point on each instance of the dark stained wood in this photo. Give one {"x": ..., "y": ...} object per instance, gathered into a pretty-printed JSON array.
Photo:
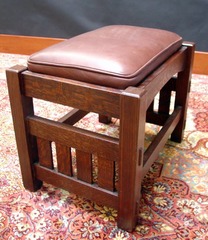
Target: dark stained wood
[
  {"x": 151, "y": 107},
  {"x": 160, "y": 117},
  {"x": 132, "y": 127},
  {"x": 183, "y": 83},
  {"x": 84, "y": 166},
  {"x": 75, "y": 137},
  {"x": 154, "y": 83},
  {"x": 104, "y": 119},
  {"x": 45, "y": 153},
  {"x": 89, "y": 191},
  {"x": 22, "y": 106},
  {"x": 64, "y": 159},
  {"x": 134, "y": 106},
  {"x": 73, "y": 93},
  {"x": 161, "y": 138},
  {"x": 73, "y": 116},
  {"x": 155, "y": 118},
  {"x": 165, "y": 99},
  {"x": 106, "y": 174}
]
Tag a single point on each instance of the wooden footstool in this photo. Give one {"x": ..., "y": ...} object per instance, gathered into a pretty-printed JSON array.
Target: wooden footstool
[{"x": 115, "y": 71}]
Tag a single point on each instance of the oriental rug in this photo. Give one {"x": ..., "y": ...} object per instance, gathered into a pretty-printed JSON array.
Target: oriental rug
[{"x": 174, "y": 202}]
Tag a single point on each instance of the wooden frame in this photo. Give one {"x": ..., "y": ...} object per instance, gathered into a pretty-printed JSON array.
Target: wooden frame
[
  {"x": 28, "y": 45},
  {"x": 133, "y": 106}
]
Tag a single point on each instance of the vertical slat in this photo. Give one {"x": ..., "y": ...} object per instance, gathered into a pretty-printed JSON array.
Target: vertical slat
[
  {"x": 151, "y": 107},
  {"x": 106, "y": 174},
  {"x": 84, "y": 166},
  {"x": 64, "y": 159},
  {"x": 45, "y": 153},
  {"x": 21, "y": 107},
  {"x": 164, "y": 100}
]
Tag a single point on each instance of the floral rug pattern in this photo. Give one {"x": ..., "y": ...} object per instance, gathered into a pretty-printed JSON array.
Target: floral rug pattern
[{"x": 174, "y": 202}]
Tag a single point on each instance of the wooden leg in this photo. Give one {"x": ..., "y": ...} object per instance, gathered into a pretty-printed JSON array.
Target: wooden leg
[
  {"x": 132, "y": 130},
  {"x": 21, "y": 107},
  {"x": 182, "y": 91},
  {"x": 104, "y": 119}
]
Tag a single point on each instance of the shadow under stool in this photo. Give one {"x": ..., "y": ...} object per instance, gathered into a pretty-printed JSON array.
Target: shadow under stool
[{"x": 115, "y": 71}]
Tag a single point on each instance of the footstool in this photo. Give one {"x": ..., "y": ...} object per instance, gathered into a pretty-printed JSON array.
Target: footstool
[{"x": 115, "y": 71}]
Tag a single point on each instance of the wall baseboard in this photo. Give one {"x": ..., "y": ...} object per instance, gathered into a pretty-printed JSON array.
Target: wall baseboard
[
  {"x": 200, "y": 63},
  {"x": 27, "y": 45}
]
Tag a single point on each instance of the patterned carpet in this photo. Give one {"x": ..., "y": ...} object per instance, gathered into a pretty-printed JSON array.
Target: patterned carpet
[{"x": 174, "y": 202}]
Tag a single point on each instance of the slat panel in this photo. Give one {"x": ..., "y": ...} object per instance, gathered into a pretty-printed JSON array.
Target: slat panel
[
  {"x": 71, "y": 136},
  {"x": 106, "y": 174},
  {"x": 64, "y": 159},
  {"x": 158, "y": 143},
  {"x": 45, "y": 153},
  {"x": 73, "y": 93},
  {"x": 84, "y": 166},
  {"x": 92, "y": 192}
]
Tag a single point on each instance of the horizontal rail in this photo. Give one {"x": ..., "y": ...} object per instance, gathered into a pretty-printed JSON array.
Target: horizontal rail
[
  {"x": 73, "y": 116},
  {"x": 89, "y": 191},
  {"x": 81, "y": 139},
  {"x": 72, "y": 93}
]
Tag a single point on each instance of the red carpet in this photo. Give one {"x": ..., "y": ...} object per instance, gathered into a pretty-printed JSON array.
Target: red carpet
[{"x": 174, "y": 202}]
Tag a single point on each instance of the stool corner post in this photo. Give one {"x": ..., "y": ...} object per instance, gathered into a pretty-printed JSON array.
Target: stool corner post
[
  {"x": 14, "y": 72},
  {"x": 21, "y": 107},
  {"x": 132, "y": 132},
  {"x": 183, "y": 85}
]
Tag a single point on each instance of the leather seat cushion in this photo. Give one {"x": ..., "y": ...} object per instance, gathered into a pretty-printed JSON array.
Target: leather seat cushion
[{"x": 116, "y": 56}]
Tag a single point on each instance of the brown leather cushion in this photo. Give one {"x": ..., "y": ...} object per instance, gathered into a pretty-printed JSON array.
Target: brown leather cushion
[{"x": 116, "y": 56}]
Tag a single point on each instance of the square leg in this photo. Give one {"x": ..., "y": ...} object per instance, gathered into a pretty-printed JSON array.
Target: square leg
[
  {"x": 183, "y": 83},
  {"x": 132, "y": 133},
  {"x": 21, "y": 107}
]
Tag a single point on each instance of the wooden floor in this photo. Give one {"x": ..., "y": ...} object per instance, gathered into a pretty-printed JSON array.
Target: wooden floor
[{"x": 28, "y": 45}]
